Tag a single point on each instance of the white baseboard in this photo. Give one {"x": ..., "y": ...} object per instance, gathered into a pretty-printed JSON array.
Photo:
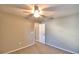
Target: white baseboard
[
  {"x": 62, "y": 49},
  {"x": 19, "y": 48}
]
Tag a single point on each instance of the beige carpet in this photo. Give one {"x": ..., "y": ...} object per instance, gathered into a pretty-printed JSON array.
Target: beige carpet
[{"x": 40, "y": 48}]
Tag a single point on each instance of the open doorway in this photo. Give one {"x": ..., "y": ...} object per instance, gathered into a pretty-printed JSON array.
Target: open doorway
[{"x": 40, "y": 32}]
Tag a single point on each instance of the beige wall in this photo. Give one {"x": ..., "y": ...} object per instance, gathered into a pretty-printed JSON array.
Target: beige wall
[{"x": 15, "y": 32}]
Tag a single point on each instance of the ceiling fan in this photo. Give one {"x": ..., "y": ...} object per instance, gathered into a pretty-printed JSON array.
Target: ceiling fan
[
  {"x": 37, "y": 15},
  {"x": 35, "y": 12}
]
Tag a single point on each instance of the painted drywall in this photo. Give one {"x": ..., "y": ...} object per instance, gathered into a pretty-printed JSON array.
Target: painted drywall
[
  {"x": 64, "y": 33},
  {"x": 15, "y": 32}
]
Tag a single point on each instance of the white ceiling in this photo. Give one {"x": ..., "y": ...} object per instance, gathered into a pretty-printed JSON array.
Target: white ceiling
[{"x": 51, "y": 10}]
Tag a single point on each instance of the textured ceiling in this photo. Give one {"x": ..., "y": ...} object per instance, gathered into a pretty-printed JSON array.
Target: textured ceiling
[{"x": 50, "y": 10}]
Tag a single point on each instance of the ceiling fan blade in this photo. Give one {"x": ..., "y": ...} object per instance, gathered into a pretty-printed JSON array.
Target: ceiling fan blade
[
  {"x": 54, "y": 7},
  {"x": 29, "y": 16},
  {"x": 49, "y": 18},
  {"x": 25, "y": 11},
  {"x": 42, "y": 6},
  {"x": 46, "y": 18},
  {"x": 20, "y": 6},
  {"x": 49, "y": 9},
  {"x": 43, "y": 16}
]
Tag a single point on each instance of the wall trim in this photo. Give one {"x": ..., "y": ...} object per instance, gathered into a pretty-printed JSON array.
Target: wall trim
[
  {"x": 19, "y": 48},
  {"x": 62, "y": 49}
]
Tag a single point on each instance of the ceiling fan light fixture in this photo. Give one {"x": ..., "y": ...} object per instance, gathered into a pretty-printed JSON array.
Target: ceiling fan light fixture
[{"x": 36, "y": 13}]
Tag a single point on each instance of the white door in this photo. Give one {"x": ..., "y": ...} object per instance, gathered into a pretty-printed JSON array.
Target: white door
[{"x": 42, "y": 33}]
